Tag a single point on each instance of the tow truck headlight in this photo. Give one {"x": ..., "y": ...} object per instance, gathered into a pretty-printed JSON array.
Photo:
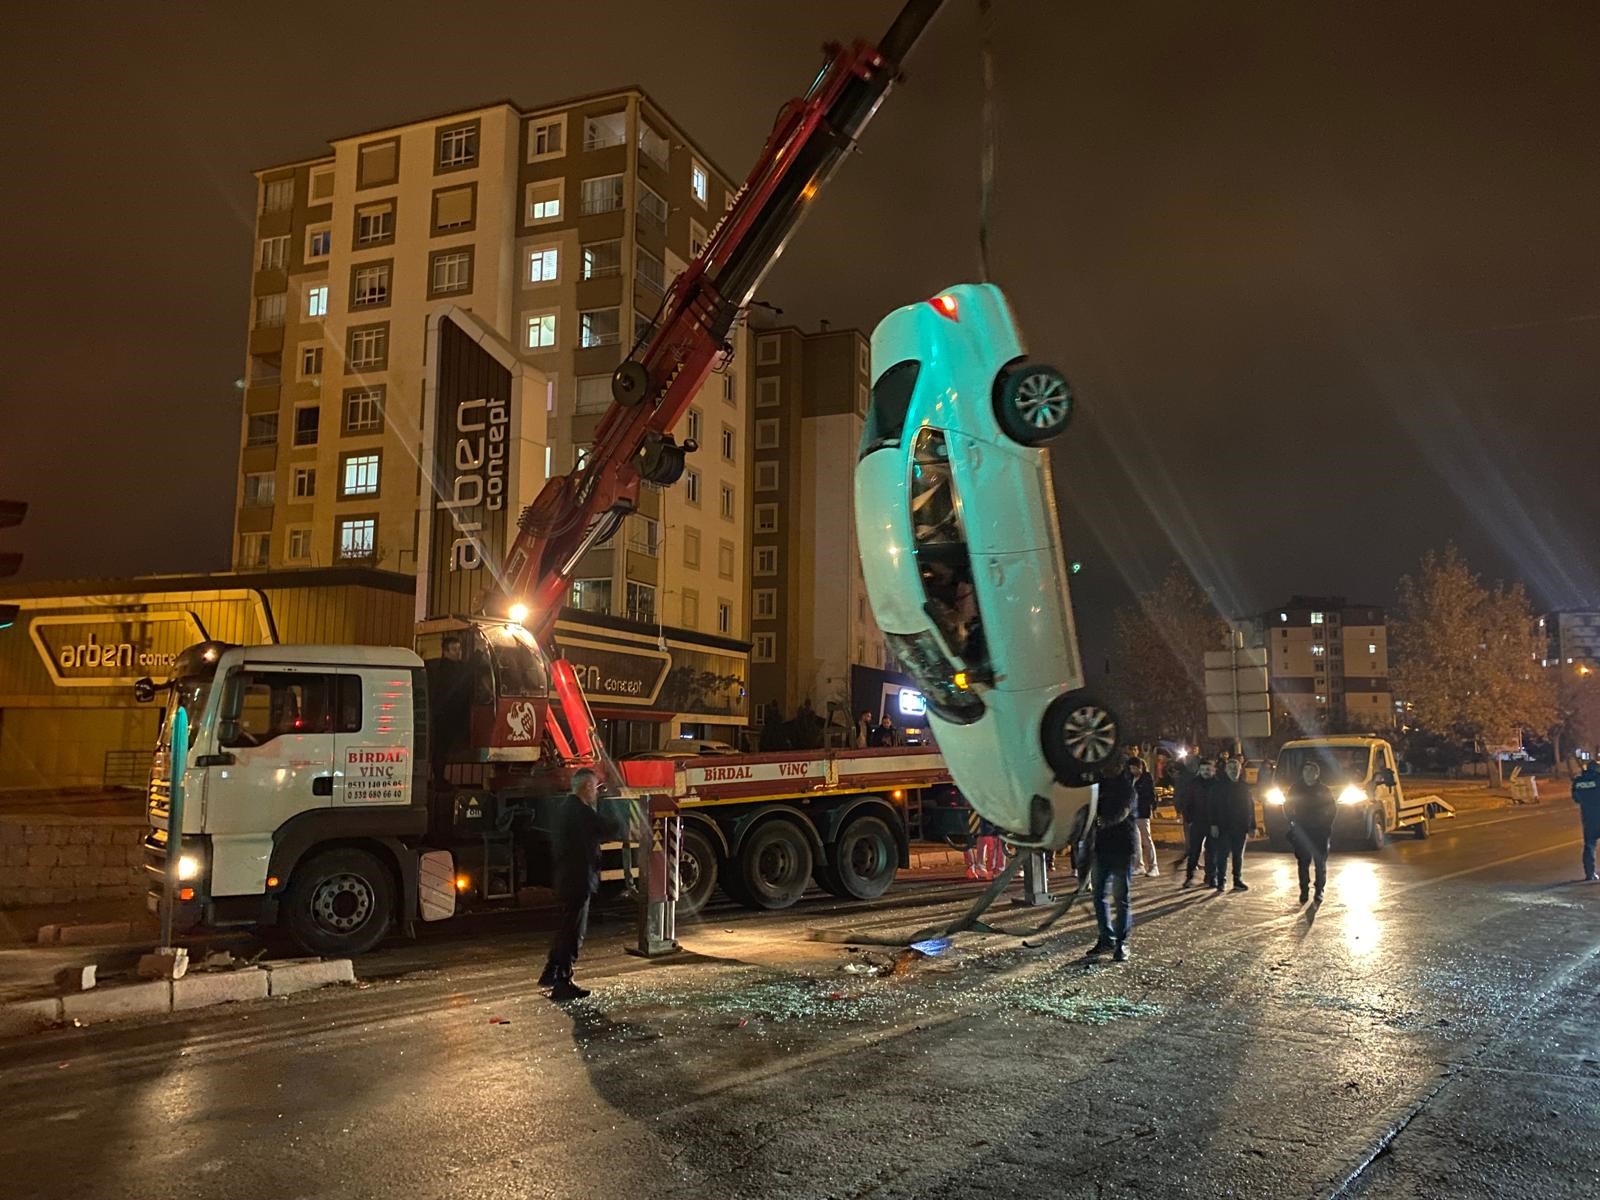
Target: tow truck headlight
[
  {"x": 1353, "y": 795},
  {"x": 1275, "y": 795},
  {"x": 188, "y": 867}
]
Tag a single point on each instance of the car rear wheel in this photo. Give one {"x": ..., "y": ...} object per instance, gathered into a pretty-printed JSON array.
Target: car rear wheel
[
  {"x": 1032, "y": 402},
  {"x": 1079, "y": 735}
]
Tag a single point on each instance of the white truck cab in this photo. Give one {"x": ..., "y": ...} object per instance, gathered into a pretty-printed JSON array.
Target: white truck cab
[{"x": 1361, "y": 772}]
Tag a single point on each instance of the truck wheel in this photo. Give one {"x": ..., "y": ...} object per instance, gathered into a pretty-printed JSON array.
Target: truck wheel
[
  {"x": 1420, "y": 830},
  {"x": 1032, "y": 402},
  {"x": 339, "y": 903},
  {"x": 697, "y": 871},
  {"x": 1376, "y": 837},
  {"x": 1079, "y": 735},
  {"x": 775, "y": 865},
  {"x": 865, "y": 859}
]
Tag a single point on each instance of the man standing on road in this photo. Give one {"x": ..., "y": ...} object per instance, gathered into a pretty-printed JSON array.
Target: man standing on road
[
  {"x": 450, "y": 702},
  {"x": 1233, "y": 818},
  {"x": 1194, "y": 806},
  {"x": 575, "y": 837},
  {"x": 1310, "y": 807},
  {"x": 1144, "y": 807},
  {"x": 1113, "y": 841},
  {"x": 1586, "y": 794}
]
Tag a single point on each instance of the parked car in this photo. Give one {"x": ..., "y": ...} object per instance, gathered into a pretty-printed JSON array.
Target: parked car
[{"x": 961, "y": 551}]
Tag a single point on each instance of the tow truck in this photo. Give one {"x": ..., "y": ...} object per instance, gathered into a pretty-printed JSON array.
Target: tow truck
[
  {"x": 1361, "y": 771},
  {"x": 312, "y": 798}
]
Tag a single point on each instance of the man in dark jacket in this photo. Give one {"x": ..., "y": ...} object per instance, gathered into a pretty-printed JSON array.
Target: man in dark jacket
[
  {"x": 577, "y": 830},
  {"x": 1113, "y": 841},
  {"x": 1586, "y": 794},
  {"x": 1310, "y": 807},
  {"x": 1194, "y": 806},
  {"x": 1144, "y": 807},
  {"x": 449, "y": 703},
  {"x": 1233, "y": 820}
]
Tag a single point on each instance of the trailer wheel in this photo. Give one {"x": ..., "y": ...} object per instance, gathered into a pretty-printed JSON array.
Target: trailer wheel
[
  {"x": 339, "y": 902},
  {"x": 775, "y": 865},
  {"x": 698, "y": 864},
  {"x": 865, "y": 859}
]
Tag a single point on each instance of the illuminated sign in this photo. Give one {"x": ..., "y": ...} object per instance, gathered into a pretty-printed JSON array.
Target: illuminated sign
[
  {"x": 912, "y": 703},
  {"x": 114, "y": 649}
]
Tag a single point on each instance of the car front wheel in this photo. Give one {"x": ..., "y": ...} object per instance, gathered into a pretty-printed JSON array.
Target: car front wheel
[
  {"x": 1079, "y": 735},
  {"x": 1032, "y": 402}
]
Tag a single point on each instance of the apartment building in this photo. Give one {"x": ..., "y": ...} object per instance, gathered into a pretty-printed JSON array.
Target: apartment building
[
  {"x": 1328, "y": 663},
  {"x": 809, "y": 616},
  {"x": 1572, "y": 637},
  {"x": 558, "y": 229}
]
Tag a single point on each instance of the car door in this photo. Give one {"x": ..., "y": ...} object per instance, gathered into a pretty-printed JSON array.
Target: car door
[{"x": 373, "y": 737}]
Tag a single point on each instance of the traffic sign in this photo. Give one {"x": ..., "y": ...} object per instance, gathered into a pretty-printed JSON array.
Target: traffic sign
[{"x": 1238, "y": 701}]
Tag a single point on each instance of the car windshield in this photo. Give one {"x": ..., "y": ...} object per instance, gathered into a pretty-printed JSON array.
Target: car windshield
[
  {"x": 943, "y": 563},
  {"x": 937, "y": 679},
  {"x": 1340, "y": 764},
  {"x": 891, "y": 400}
]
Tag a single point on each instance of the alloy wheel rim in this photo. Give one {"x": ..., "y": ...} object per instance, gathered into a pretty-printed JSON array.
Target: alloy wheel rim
[
  {"x": 1043, "y": 400},
  {"x": 1090, "y": 734}
]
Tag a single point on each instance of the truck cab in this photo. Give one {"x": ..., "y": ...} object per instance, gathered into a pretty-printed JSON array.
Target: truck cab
[{"x": 1362, "y": 774}]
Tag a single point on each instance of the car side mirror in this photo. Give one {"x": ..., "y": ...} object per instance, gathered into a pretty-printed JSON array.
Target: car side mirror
[{"x": 144, "y": 690}]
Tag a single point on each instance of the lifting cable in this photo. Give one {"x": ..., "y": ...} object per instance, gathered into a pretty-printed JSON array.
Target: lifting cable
[{"x": 990, "y": 136}]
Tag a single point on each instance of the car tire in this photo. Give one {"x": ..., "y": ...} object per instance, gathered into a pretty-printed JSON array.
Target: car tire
[
  {"x": 1079, "y": 736},
  {"x": 864, "y": 860},
  {"x": 339, "y": 903},
  {"x": 698, "y": 868},
  {"x": 775, "y": 865},
  {"x": 1032, "y": 402}
]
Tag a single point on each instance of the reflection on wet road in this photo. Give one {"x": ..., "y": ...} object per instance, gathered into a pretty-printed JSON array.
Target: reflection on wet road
[{"x": 1436, "y": 1007}]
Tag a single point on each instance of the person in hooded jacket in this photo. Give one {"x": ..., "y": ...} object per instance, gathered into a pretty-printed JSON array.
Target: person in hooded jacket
[
  {"x": 1194, "y": 805},
  {"x": 1310, "y": 808},
  {"x": 1233, "y": 820},
  {"x": 1113, "y": 852}
]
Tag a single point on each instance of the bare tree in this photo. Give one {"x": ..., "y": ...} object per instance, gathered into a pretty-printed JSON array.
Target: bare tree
[{"x": 1158, "y": 674}]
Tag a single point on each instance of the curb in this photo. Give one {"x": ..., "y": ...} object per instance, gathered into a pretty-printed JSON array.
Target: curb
[{"x": 152, "y": 997}]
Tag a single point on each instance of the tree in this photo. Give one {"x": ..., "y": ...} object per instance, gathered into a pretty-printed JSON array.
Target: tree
[
  {"x": 1158, "y": 678},
  {"x": 1468, "y": 657},
  {"x": 1577, "y": 709}
]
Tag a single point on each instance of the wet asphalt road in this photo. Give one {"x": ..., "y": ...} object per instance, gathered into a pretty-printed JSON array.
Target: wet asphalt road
[{"x": 1431, "y": 1031}]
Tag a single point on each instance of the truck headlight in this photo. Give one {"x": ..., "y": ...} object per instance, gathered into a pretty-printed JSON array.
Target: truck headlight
[
  {"x": 1274, "y": 795},
  {"x": 1353, "y": 795},
  {"x": 188, "y": 866}
]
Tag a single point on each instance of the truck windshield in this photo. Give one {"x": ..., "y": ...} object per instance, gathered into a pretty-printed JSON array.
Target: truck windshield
[
  {"x": 189, "y": 695},
  {"x": 1340, "y": 764},
  {"x": 519, "y": 665},
  {"x": 920, "y": 657}
]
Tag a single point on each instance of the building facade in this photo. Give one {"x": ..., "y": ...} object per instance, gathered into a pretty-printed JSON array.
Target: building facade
[
  {"x": 810, "y": 619},
  {"x": 1572, "y": 637},
  {"x": 558, "y": 230},
  {"x": 1328, "y": 664}
]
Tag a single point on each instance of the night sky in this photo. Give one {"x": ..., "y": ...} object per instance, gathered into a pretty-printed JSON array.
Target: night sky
[{"x": 1326, "y": 277}]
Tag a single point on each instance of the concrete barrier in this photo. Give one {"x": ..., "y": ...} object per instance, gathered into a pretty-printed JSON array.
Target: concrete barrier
[{"x": 218, "y": 987}]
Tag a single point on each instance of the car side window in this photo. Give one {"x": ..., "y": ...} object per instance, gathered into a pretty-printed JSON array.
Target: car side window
[
  {"x": 891, "y": 400},
  {"x": 273, "y": 704},
  {"x": 943, "y": 562}
]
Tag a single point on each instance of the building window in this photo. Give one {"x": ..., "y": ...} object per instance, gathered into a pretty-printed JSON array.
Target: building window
[
  {"x": 641, "y": 328},
  {"x": 641, "y": 602},
  {"x": 542, "y": 331},
  {"x": 862, "y": 398},
  {"x": 766, "y": 560},
  {"x": 544, "y": 201},
  {"x": 274, "y": 253},
  {"x": 699, "y": 182},
  {"x": 649, "y": 271},
  {"x": 691, "y": 547},
  {"x": 455, "y": 208},
  {"x": 270, "y": 310},
  {"x": 299, "y": 544},
  {"x": 766, "y": 603},
  {"x": 310, "y": 361},
  {"x": 652, "y": 209},
  {"x": 863, "y": 359},
  {"x": 546, "y": 139},
  {"x": 691, "y": 486},
  {"x": 306, "y": 421},
  {"x": 769, "y": 349},
  {"x": 319, "y": 242},
  {"x": 580, "y": 455},
  {"x": 726, "y": 507},
  {"x": 368, "y": 348},
  {"x": 691, "y": 608},
  {"x": 317, "y": 300},
  {"x": 277, "y": 195},
  {"x": 767, "y": 433},
  {"x": 255, "y": 549},
  {"x": 592, "y": 595},
  {"x": 728, "y": 443},
  {"x": 724, "y": 617},
  {"x": 544, "y": 265},
  {"x": 363, "y": 410},
  {"x": 1317, "y": 650},
  {"x": 375, "y": 224},
  {"x": 725, "y": 558},
  {"x": 763, "y": 648},
  {"x": 727, "y": 388},
  {"x": 378, "y": 163},
  {"x": 766, "y": 518},
  {"x": 1316, "y": 618},
  {"x": 359, "y": 475},
  {"x": 644, "y": 535},
  {"x": 449, "y": 271},
  {"x": 653, "y": 145},
  {"x": 697, "y": 239},
  {"x": 458, "y": 147},
  {"x": 601, "y": 194},
  {"x": 692, "y": 433},
  {"x": 369, "y": 285},
  {"x": 358, "y": 537},
  {"x": 321, "y": 185},
  {"x": 598, "y": 327},
  {"x": 767, "y": 476},
  {"x": 305, "y": 483},
  {"x": 594, "y": 395},
  {"x": 259, "y": 489},
  {"x": 601, "y": 259},
  {"x": 767, "y": 393},
  {"x": 261, "y": 430},
  {"x": 608, "y": 129}
]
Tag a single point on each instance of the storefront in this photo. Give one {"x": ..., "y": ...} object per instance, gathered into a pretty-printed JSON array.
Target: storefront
[{"x": 893, "y": 695}]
